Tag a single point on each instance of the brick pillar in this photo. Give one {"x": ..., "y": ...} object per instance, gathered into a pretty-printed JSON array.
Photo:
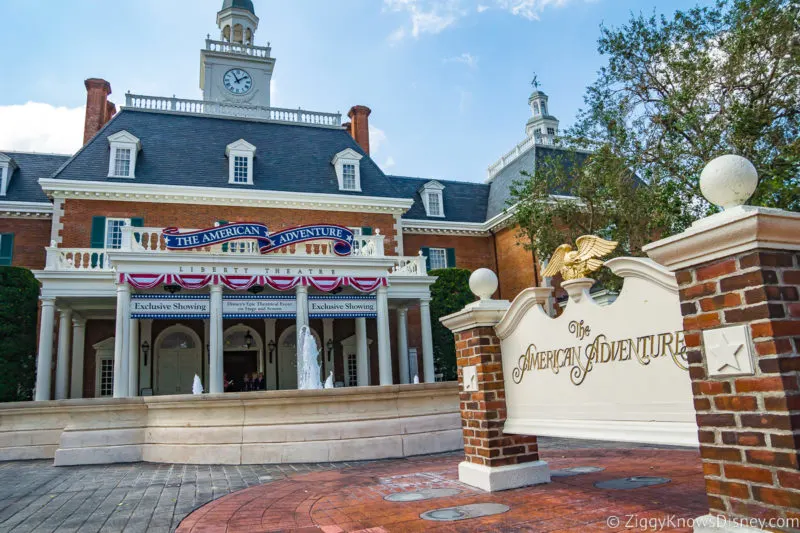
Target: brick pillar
[
  {"x": 749, "y": 425},
  {"x": 493, "y": 460},
  {"x": 359, "y": 125},
  {"x": 97, "y": 108},
  {"x": 739, "y": 277}
]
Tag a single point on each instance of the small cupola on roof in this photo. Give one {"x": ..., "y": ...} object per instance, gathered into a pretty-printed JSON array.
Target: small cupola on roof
[
  {"x": 237, "y": 21},
  {"x": 541, "y": 124},
  {"x": 7, "y": 167}
]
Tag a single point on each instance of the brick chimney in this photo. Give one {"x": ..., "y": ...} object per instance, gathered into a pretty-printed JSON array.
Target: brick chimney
[
  {"x": 359, "y": 127},
  {"x": 98, "y": 109}
]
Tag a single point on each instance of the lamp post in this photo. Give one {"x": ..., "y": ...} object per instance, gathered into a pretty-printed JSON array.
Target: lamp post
[
  {"x": 248, "y": 340},
  {"x": 145, "y": 351},
  {"x": 329, "y": 346}
]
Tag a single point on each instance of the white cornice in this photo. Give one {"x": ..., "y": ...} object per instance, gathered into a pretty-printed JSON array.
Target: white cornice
[
  {"x": 444, "y": 227},
  {"x": 26, "y": 209},
  {"x": 173, "y": 194}
]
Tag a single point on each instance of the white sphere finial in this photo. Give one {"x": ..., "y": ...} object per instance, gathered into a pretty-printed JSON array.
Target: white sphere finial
[
  {"x": 483, "y": 283},
  {"x": 728, "y": 181}
]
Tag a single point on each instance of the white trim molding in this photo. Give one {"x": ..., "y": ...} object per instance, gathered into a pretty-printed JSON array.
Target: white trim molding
[
  {"x": 26, "y": 209},
  {"x": 7, "y": 167},
  {"x": 240, "y": 148},
  {"x": 121, "y": 141},
  {"x": 348, "y": 157},
  {"x": 174, "y": 194}
]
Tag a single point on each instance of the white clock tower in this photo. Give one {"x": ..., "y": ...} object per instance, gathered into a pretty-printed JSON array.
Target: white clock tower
[{"x": 232, "y": 69}]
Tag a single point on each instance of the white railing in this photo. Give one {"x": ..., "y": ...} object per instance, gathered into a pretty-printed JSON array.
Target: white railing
[
  {"x": 238, "y": 48},
  {"x": 149, "y": 240},
  {"x": 83, "y": 259},
  {"x": 205, "y": 107},
  {"x": 518, "y": 150}
]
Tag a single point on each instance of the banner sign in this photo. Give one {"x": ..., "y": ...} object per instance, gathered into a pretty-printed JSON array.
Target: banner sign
[
  {"x": 211, "y": 236},
  {"x": 174, "y": 306},
  {"x": 341, "y": 237},
  {"x": 259, "y": 307},
  {"x": 342, "y": 307},
  {"x": 177, "y": 306}
]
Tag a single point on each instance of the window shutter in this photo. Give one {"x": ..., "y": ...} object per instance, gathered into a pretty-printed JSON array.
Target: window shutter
[
  {"x": 426, "y": 251},
  {"x": 451, "y": 257},
  {"x": 366, "y": 230},
  {"x": 137, "y": 222},
  {"x": 6, "y": 249},
  {"x": 98, "y": 232}
]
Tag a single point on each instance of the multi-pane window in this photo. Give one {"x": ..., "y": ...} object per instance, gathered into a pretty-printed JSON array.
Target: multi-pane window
[
  {"x": 114, "y": 232},
  {"x": 434, "y": 204},
  {"x": 122, "y": 162},
  {"x": 106, "y": 377},
  {"x": 551, "y": 131},
  {"x": 437, "y": 258},
  {"x": 6, "y": 249},
  {"x": 352, "y": 370},
  {"x": 348, "y": 177},
  {"x": 240, "y": 170}
]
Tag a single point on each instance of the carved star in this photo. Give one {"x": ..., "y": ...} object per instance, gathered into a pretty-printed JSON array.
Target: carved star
[{"x": 726, "y": 354}]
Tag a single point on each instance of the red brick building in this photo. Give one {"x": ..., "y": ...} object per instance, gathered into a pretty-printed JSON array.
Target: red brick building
[{"x": 91, "y": 226}]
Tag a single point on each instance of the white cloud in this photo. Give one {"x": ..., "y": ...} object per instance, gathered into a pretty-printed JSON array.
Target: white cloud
[
  {"x": 466, "y": 59},
  {"x": 377, "y": 139},
  {"x": 389, "y": 163},
  {"x": 38, "y": 127},
  {"x": 434, "y": 16}
]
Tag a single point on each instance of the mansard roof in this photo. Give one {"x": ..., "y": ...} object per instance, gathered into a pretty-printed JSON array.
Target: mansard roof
[
  {"x": 463, "y": 201},
  {"x": 189, "y": 150},
  {"x": 24, "y": 184}
]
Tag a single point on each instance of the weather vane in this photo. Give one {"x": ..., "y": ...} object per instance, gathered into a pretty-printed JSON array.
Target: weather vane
[{"x": 535, "y": 81}]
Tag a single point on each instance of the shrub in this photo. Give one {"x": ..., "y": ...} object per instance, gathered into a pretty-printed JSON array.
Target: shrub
[
  {"x": 449, "y": 294},
  {"x": 19, "y": 294}
]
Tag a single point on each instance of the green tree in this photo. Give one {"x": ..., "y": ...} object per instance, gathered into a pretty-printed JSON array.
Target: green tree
[
  {"x": 19, "y": 295},
  {"x": 450, "y": 293},
  {"x": 676, "y": 92}
]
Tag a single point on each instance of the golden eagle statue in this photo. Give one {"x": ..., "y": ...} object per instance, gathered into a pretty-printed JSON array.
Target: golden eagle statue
[{"x": 574, "y": 264}]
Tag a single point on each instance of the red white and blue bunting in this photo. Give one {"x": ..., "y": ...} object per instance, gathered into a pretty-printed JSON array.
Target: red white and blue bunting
[{"x": 240, "y": 283}]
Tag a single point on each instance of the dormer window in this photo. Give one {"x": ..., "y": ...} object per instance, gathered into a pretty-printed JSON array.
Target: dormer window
[
  {"x": 7, "y": 167},
  {"x": 124, "y": 149},
  {"x": 240, "y": 162},
  {"x": 431, "y": 194},
  {"x": 348, "y": 172}
]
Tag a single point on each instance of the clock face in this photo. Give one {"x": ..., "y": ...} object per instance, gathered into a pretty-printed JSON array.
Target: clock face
[{"x": 237, "y": 81}]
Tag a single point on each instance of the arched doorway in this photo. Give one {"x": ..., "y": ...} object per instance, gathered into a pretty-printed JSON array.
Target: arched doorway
[
  {"x": 243, "y": 352},
  {"x": 287, "y": 357},
  {"x": 179, "y": 356}
]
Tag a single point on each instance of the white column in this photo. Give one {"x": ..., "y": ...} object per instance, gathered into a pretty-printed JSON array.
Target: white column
[
  {"x": 402, "y": 343},
  {"x": 327, "y": 335},
  {"x": 62, "y": 359},
  {"x": 427, "y": 340},
  {"x": 206, "y": 352},
  {"x": 78, "y": 340},
  {"x": 384, "y": 341},
  {"x": 121, "y": 338},
  {"x": 302, "y": 320},
  {"x": 133, "y": 358},
  {"x": 44, "y": 361},
  {"x": 270, "y": 366},
  {"x": 215, "y": 361},
  {"x": 362, "y": 353}
]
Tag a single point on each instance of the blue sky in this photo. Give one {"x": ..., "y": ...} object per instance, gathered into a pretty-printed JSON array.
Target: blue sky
[{"x": 447, "y": 80}]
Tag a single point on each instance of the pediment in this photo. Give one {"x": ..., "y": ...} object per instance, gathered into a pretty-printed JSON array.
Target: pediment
[
  {"x": 240, "y": 146},
  {"x": 107, "y": 344},
  {"x": 125, "y": 137},
  {"x": 347, "y": 154},
  {"x": 432, "y": 185}
]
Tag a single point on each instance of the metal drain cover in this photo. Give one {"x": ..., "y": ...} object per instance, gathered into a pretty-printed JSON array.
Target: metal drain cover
[
  {"x": 464, "y": 512},
  {"x": 635, "y": 482},
  {"x": 575, "y": 471},
  {"x": 424, "y": 494}
]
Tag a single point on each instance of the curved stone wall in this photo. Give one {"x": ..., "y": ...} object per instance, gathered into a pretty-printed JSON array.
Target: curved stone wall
[{"x": 237, "y": 428}]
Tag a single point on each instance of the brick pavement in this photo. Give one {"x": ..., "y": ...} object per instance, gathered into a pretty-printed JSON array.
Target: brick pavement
[
  {"x": 353, "y": 499},
  {"x": 35, "y": 496}
]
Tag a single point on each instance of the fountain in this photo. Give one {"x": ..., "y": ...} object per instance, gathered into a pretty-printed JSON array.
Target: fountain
[
  {"x": 197, "y": 385},
  {"x": 307, "y": 362},
  {"x": 329, "y": 381}
]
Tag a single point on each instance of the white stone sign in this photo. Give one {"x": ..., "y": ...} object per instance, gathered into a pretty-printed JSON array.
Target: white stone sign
[
  {"x": 614, "y": 373},
  {"x": 342, "y": 307}
]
